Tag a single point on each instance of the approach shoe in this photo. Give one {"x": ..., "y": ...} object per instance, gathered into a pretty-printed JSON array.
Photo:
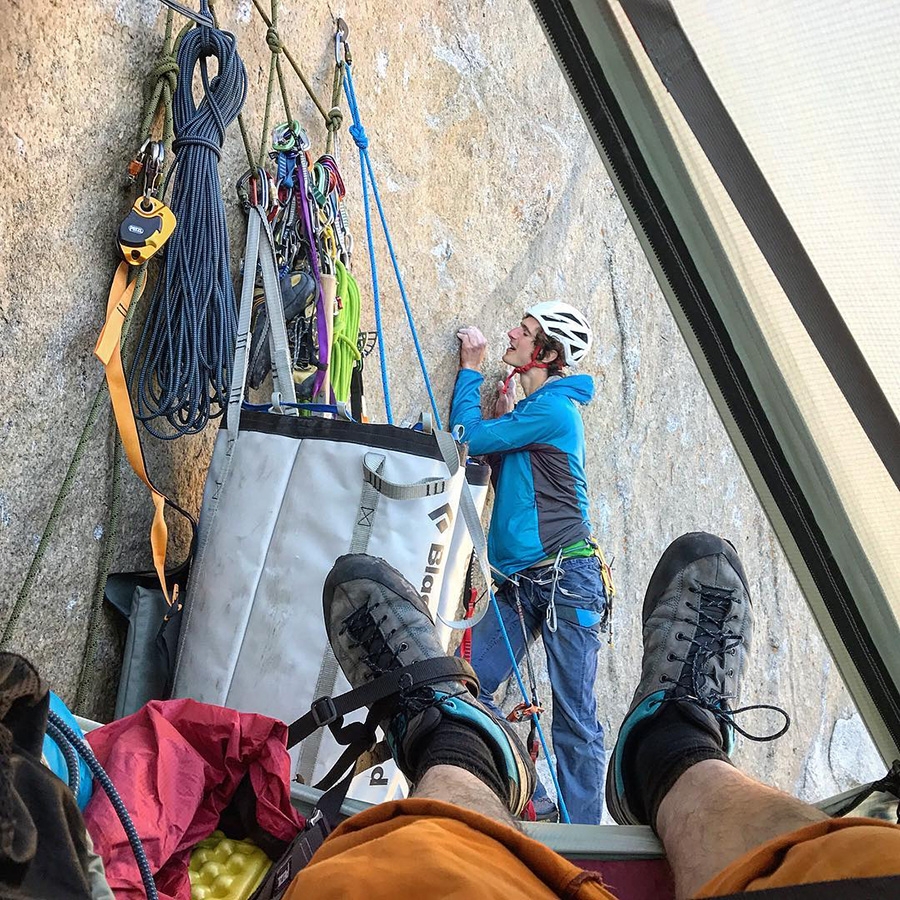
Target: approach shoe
[
  {"x": 376, "y": 623},
  {"x": 697, "y": 625}
]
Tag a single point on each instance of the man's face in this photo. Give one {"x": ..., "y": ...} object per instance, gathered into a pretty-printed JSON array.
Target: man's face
[{"x": 521, "y": 342}]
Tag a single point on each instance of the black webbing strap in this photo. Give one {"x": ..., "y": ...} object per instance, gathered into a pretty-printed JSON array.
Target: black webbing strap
[
  {"x": 331, "y": 710},
  {"x": 359, "y": 737},
  {"x": 674, "y": 59},
  {"x": 845, "y": 889}
]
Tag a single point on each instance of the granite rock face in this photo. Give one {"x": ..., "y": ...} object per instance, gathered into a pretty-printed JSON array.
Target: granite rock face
[{"x": 495, "y": 198}]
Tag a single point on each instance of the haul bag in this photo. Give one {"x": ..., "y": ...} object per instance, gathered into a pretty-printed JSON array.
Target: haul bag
[{"x": 299, "y": 493}]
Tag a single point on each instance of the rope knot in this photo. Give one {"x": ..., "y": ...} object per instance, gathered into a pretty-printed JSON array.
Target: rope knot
[
  {"x": 273, "y": 40},
  {"x": 335, "y": 119},
  {"x": 358, "y": 133},
  {"x": 166, "y": 68}
]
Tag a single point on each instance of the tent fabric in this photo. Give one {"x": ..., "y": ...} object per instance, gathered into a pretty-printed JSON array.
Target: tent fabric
[
  {"x": 177, "y": 765},
  {"x": 755, "y": 148}
]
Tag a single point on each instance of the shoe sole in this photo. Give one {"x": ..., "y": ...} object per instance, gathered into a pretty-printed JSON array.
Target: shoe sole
[{"x": 674, "y": 559}]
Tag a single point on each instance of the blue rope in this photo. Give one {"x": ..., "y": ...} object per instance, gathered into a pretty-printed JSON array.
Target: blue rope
[
  {"x": 182, "y": 371},
  {"x": 362, "y": 142},
  {"x": 563, "y": 811},
  {"x": 358, "y": 133},
  {"x": 69, "y": 755},
  {"x": 85, "y": 752}
]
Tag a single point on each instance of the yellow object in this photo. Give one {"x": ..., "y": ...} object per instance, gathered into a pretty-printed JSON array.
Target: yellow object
[
  {"x": 223, "y": 869},
  {"x": 108, "y": 350},
  {"x": 145, "y": 229}
]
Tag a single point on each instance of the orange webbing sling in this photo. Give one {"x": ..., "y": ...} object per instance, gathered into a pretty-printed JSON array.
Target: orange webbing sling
[{"x": 108, "y": 351}]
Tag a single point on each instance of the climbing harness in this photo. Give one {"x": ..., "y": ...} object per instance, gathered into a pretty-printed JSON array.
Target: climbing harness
[{"x": 182, "y": 370}]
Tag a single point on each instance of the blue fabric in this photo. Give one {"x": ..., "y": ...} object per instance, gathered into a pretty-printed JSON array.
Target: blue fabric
[
  {"x": 545, "y": 423},
  {"x": 578, "y": 738},
  {"x": 57, "y": 762}
]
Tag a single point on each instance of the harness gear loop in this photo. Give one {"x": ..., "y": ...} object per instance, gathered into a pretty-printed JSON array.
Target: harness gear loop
[{"x": 551, "y": 605}]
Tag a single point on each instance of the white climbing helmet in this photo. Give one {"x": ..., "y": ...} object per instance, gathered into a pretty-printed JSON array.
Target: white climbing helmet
[{"x": 567, "y": 325}]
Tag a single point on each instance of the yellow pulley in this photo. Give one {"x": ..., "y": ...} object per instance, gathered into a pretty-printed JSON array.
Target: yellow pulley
[{"x": 145, "y": 229}]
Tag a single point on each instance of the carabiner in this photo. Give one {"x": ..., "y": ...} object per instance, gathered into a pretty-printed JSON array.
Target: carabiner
[{"x": 342, "y": 32}]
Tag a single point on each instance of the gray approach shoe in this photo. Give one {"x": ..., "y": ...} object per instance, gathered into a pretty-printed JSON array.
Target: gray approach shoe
[
  {"x": 698, "y": 623},
  {"x": 376, "y": 623}
]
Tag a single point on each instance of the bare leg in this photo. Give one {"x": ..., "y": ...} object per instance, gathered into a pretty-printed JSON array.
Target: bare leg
[
  {"x": 714, "y": 814},
  {"x": 460, "y": 787}
]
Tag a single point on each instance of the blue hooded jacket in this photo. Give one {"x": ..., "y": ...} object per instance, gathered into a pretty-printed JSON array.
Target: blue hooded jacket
[{"x": 541, "y": 501}]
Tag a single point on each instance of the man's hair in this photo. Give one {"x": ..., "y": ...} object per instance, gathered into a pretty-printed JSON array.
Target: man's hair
[{"x": 545, "y": 344}]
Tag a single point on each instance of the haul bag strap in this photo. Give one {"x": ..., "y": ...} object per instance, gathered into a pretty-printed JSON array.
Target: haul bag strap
[
  {"x": 450, "y": 454},
  {"x": 328, "y": 671},
  {"x": 108, "y": 351},
  {"x": 331, "y": 710},
  {"x": 427, "y": 487}
]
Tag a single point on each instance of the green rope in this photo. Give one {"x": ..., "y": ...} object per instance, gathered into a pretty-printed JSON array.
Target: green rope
[
  {"x": 163, "y": 80},
  {"x": 344, "y": 346},
  {"x": 64, "y": 491},
  {"x": 65, "y": 488},
  {"x": 107, "y": 549},
  {"x": 335, "y": 116},
  {"x": 273, "y": 39},
  {"x": 294, "y": 65},
  {"x": 263, "y": 138},
  {"x": 246, "y": 139}
]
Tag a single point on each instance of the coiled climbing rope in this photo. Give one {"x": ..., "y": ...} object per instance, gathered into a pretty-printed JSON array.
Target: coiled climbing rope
[
  {"x": 182, "y": 371},
  {"x": 344, "y": 347}
]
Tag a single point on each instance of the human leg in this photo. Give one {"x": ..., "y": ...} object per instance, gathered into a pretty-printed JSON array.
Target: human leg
[
  {"x": 490, "y": 656},
  {"x": 572, "y": 648},
  {"x": 491, "y": 661},
  {"x": 714, "y": 814},
  {"x": 671, "y": 766},
  {"x": 377, "y": 623},
  {"x": 424, "y": 846}
]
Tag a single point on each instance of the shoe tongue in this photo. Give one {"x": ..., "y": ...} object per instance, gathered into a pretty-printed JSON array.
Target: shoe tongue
[
  {"x": 700, "y": 718},
  {"x": 419, "y": 727}
]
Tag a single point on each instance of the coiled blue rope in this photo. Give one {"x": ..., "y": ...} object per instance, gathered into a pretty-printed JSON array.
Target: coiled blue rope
[
  {"x": 68, "y": 740},
  {"x": 69, "y": 755},
  {"x": 358, "y": 133},
  {"x": 182, "y": 372}
]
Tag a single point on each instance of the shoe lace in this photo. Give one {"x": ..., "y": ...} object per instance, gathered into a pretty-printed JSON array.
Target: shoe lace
[
  {"x": 364, "y": 628},
  {"x": 713, "y": 638}
]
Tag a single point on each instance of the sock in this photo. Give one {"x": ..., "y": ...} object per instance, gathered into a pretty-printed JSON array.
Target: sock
[
  {"x": 452, "y": 743},
  {"x": 664, "y": 748}
]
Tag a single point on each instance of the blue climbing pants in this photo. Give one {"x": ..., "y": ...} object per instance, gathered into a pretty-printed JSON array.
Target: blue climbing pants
[{"x": 571, "y": 634}]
